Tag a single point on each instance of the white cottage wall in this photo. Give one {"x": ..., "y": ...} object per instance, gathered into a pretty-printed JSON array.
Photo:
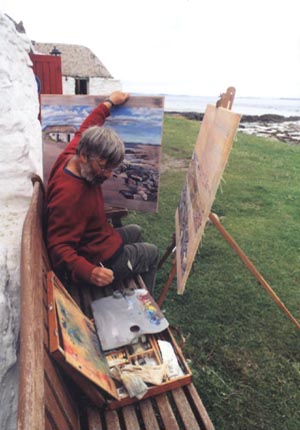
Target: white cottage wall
[
  {"x": 68, "y": 85},
  {"x": 97, "y": 86},
  {"x": 20, "y": 156}
]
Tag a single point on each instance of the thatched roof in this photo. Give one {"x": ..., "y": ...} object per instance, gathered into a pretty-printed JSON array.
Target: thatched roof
[{"x": 77, "y": 61}]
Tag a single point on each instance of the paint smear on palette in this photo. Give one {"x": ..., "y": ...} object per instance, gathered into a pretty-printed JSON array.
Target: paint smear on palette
[
  {"x": 152, "y": 313},
  {"x": 120, "y": 320}
]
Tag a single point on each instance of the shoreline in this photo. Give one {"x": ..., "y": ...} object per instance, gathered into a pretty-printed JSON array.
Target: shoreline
[
  {"x": 277, "y": 127},
  {"x": 271, "y": 118}
]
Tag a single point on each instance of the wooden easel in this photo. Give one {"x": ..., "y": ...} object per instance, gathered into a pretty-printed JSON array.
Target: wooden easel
[{"x": 225, "y": 101}]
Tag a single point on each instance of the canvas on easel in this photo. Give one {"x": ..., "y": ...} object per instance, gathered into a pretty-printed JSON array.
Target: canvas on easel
[
  {"x": 134, "y": 185},
  {"x": 204, "y": 174}
]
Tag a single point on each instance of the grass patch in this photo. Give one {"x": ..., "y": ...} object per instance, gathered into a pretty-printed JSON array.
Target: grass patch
[{"x": 243, "y": 351}]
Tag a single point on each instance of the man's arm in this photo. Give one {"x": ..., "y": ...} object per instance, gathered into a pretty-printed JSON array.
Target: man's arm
[
  {"x": 65, "y": 219},
  {"x": 98, "y": 115}
]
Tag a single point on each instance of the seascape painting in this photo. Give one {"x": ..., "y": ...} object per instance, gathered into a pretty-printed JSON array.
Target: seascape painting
[
  {"x": 204, "y": 174},
  {"x": 139, "y": 122}
]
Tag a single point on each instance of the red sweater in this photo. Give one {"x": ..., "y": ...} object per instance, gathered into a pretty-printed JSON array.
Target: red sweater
[{"x": 78, "y": 233}]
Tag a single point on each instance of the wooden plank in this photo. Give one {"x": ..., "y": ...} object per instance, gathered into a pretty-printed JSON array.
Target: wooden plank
[
  {"x": 54, "y": 410},
  {"x": 49, "y": 424},
  {"x": 185, "y": 410},
  {"x": 87, "y": 387},
  {"x": 112, "y": 421},
  {"x": 93, "y": 419},
  {"x": 130, "y": 418},
  {"x": 195, "y": 398},
  {"x": 31, "y": 386},
  {"x": 154, "y": 390},
  {"x": 62, "y": 394},
  {"x": 148, "y": 415},
  {"x": 166, "y": 412}
]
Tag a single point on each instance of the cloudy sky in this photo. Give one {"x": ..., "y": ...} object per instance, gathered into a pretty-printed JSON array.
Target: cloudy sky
[{"x": 190, "y": 47}]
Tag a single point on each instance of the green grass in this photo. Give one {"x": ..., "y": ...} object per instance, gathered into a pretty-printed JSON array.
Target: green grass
[{"x": 244, "y": 352}]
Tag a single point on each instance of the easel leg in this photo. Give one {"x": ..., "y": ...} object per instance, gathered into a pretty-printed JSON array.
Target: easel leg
[
  {"x": 215, "y": 220},
  {"x": 167, "y": 285},
  {"x": 168, "y": 252}
]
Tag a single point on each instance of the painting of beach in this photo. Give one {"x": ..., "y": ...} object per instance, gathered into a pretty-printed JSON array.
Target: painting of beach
[{"x": 139, "y": 122}]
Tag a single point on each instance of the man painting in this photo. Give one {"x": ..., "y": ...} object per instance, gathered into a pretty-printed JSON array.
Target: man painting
[{"x": 80, "y": 240}]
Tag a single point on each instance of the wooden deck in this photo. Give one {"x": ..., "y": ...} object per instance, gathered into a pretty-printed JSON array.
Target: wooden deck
[{"x": 48, "y": 399}]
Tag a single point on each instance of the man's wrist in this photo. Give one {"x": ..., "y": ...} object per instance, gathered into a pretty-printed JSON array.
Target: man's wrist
[{"x": 108, "y": 100}]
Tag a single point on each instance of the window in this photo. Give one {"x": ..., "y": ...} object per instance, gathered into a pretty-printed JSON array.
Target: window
[{"x": 81, "y": 86}]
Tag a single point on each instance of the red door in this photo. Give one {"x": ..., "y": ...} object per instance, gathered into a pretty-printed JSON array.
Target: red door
[{"x": 47, "y": 69}]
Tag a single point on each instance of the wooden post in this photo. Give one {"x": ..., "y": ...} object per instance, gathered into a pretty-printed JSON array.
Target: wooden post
[
  {"x": 215, "y": 220},
  {"x": 168, "y": 252},
  {"x": 167, "y": 285}
]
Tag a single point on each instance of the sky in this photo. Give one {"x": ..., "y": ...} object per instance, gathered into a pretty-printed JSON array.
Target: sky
[
  {"x": 191, "y": 47},
  {"x": 134, "y": 125}
]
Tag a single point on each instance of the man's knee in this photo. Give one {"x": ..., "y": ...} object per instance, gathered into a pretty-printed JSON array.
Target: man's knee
[
  {"x": 152, "y": 253},
  {"x": 137, "y": 229},
  {"x": 131, "y": 233}
]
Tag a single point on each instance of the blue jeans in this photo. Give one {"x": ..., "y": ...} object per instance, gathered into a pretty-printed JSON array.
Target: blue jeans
[{"x": 137, "y": 257}]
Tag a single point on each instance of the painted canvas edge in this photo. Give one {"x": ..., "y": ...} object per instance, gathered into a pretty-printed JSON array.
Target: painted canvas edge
[{"x": 212, "y": 118}]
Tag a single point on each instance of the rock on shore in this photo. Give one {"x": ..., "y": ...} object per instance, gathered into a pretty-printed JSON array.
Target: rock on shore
[{"x": 285, "y": 129}]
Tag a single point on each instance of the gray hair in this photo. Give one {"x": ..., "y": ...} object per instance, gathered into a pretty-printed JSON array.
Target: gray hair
[{"x": 102, "y": 142}]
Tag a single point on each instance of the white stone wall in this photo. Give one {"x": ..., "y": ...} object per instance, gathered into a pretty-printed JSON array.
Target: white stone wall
[
  {"x": 68, "y": 85},
  {"x": 20, "y": 156},
  {"x": 97, "y": 86}
]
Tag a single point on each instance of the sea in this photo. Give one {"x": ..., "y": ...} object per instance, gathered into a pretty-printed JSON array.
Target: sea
[{"x": 244, "y": 105}]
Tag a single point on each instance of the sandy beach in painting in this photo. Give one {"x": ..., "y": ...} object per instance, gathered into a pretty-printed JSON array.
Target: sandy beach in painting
[{"x": 135, "y": 184}]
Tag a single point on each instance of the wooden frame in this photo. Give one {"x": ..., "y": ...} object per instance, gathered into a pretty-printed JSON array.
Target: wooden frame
[{"x": 72, "y": 337}]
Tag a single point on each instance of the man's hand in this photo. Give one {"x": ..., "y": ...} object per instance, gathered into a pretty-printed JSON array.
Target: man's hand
[
  {"x": 118, "y": 97},
  {"x": 101, "y": 276}
]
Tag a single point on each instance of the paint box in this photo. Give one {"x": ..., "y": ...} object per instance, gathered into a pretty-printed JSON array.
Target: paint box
[{"x": 74, "y": 343}]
